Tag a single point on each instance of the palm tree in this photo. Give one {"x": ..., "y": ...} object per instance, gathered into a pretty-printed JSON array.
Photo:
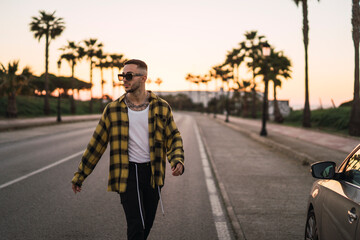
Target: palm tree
[
  {"x": 11, "y": 84},
  {"x": 354, "y": 124},
  {"x": 72, "y": 53},
  {"x": 51, "y": 27},
  {"x": 92, "y": 47},
  {"x": 119, "y": 64},
  {"x": 233, "y": 60},
  {"x": 251, "y": 50},
  {"x": 273, "y": 68},
  {"x": 307, "y": 112},
  {"x": 115, "y": 61},
  {"x": 245, "y": 85},
  {"x": 226, "y": 77},
  {"x": 225, "y": 74},
  {"x": 58, "y": 119},
  {"x": 278, "y": 117},
  {"x": 279, "y": 69},
  {"x": 101, "y": 64},
  {"x": 119, "y": 61},
  {"x": 217, "y": 72}
]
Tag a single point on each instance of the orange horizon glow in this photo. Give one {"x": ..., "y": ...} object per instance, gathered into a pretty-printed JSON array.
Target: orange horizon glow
[{"x": 174, "y": 44}]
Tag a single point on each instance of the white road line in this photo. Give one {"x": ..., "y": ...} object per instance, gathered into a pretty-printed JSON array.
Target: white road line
[
  {"x": 217, "y": 210},
  {"x": 40, "y": 170}
]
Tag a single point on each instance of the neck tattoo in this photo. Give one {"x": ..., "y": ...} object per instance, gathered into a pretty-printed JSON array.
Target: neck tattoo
[{"x": 135, "y": 107}]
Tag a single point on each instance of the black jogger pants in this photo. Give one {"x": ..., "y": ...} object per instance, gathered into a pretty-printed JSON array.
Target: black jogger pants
[{"x": 139, "y": 201}]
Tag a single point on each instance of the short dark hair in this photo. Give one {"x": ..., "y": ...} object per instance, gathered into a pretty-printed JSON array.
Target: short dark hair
[{"x": 137, "y": 62}]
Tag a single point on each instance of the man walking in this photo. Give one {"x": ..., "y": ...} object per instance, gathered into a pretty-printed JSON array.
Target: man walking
[{"x": 142, "y": 133}]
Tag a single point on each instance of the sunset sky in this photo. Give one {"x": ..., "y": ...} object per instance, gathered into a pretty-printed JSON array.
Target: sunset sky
[{"x": 191, "y": 36}]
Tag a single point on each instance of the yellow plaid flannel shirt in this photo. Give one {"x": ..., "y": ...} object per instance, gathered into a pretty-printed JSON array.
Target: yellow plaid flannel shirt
[{"x": 164, "y": 140}]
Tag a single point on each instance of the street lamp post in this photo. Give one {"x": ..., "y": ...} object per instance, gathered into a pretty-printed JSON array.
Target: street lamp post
[{"x": 265, "y": 52}]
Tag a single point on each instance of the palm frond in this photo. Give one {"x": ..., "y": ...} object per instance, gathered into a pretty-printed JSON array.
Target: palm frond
[{"x": 47, "y": 25}]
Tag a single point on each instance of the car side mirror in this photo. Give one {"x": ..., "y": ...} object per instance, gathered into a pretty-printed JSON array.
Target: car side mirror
[{"x": 323, "y": 170}]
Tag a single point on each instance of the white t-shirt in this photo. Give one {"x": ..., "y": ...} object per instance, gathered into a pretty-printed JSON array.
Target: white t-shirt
[{"x": 139, "y": 149}]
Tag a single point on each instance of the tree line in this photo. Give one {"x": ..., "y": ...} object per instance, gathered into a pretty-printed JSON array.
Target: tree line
[
  {"x": 248, "y": 54},
  {"x": 277, "y": 68},
  {"x": 47, "y": 26}
]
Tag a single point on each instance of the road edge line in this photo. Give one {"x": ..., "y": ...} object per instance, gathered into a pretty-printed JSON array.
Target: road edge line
[{"x": 235, "y": 224}]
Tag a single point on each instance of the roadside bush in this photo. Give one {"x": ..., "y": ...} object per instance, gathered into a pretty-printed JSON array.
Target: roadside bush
[
  {"x": 332, "y": 118},
  {"x": 337, "y": 118}
]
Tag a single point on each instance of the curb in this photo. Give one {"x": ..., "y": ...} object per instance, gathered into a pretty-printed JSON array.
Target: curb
[{"x": 302, "y": 157}]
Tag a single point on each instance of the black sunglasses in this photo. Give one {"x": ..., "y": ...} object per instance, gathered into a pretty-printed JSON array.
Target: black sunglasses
[{"x": 128, "y": 76}]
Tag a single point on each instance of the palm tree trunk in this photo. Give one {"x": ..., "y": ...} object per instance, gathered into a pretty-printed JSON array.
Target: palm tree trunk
[
  {"x": 72, "y": 101},
  {"x": 102, "y": 90},
  {"x": 102, "y": 83},
  {"x": 58, "y": 119},
  {"x": 307, "y": 113},
  {"x": 254, "y": 102},
  {"x": 91, "y": 82},
  {"x": 354, "y": 124},
  {"x": 227, "y": 102},
  {"x": 245, "y": 105},
  {"x": 46, "y": 80},
  {"x": 11, "y": 110},
  {"x": 113, "y": 82},
  {"x": 277, "y": 114},
  {"x": 265, "y": 112},
  {"x": 253, "y": 90},
  {"x": 206, "y": 95},
  {"x": 216, "y": 96}
]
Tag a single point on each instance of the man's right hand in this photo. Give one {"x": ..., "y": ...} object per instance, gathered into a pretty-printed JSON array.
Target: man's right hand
[{"x": 76, "y": 188}]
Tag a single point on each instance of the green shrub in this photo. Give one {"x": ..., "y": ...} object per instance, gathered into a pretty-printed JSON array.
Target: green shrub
[{"x": 332, "y": 118}]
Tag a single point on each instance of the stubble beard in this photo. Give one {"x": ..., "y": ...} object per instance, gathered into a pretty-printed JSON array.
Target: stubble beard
[{"x": 133, "y": 88}]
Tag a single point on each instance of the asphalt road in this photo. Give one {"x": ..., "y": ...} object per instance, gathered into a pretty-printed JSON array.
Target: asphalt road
[
  {"x": 267, "y": 190},
  {"x": 43, "y": 206}
]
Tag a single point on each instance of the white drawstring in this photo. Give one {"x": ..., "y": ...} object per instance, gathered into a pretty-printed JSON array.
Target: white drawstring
[
  {"x": 161, "y": 204},
  {"x": 137, "y": 186}
]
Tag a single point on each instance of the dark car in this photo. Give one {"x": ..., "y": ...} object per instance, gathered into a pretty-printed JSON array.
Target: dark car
[{"x": 334, "y": 202}]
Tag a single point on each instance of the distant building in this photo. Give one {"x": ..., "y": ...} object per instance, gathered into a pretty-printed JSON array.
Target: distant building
[
  {"x": 283, "y": 107},
  {"x": 195, "y": 96},
  {"x": 205, "y": 96}
]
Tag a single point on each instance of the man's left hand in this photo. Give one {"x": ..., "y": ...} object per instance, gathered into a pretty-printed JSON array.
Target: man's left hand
[{"x": 178, "y": 170}]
